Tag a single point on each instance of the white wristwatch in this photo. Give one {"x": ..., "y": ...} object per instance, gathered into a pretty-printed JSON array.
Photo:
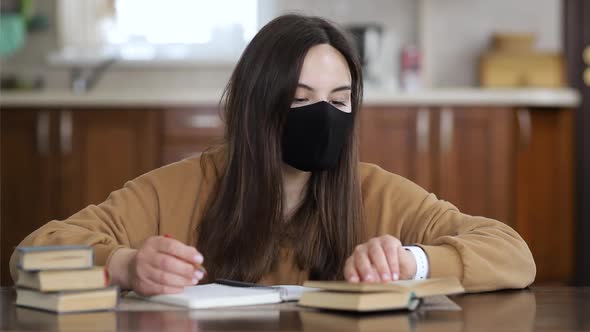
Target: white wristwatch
[{"x": 421, "y": 262}]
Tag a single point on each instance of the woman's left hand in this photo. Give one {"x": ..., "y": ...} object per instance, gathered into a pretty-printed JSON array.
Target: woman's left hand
[{"x": 380, "y": 259}]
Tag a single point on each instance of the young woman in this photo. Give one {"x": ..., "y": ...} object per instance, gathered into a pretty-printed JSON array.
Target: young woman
[{"x": 285, "y": 199}]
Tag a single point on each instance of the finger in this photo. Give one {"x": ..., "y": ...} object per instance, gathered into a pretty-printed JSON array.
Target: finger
[
  {"x": 392, "y": 256},
  {"x": 173, "y": 264},
  {"x": 363, "y": 265},
  {"x": 379, "y": 261},
  {"x": 176, "y": 248},
  {"x": 165, "y": 278},
  {"x": 350, "y": 273},
  {"x": 375, "y": 272}
]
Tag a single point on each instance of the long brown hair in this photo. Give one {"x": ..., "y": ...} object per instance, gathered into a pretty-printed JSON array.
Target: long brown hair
[{"x": 243, "y": 225}]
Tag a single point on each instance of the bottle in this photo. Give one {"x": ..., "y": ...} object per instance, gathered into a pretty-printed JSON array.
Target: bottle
[{"x": 410, "y": 72}]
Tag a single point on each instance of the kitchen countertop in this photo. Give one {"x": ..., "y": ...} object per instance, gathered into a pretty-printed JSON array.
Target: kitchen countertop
[{"x": 163, "y": 97}]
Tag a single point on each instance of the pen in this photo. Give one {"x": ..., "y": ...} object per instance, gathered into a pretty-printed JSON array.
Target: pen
[{"x": 235, "y": 283}]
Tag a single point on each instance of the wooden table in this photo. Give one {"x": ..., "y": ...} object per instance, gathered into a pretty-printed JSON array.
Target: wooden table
[{"x": 539, "y": 309}]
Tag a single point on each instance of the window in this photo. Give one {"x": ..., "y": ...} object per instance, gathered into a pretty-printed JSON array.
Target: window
[
  {"x": 156, "y": 29},
  {"x": 182, "y": 21}
]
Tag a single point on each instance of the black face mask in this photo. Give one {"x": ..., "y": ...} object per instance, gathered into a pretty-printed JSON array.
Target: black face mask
[{"x": 314, "y": 135}]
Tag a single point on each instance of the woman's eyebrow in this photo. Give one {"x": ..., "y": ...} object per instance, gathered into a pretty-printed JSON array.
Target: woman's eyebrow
[{"x": 340, "y": 88}]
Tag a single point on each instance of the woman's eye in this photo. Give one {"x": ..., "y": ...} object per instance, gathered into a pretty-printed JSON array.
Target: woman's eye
[
  {"x": 299, "y": 100},
  {"x": 337, "y": 102}
]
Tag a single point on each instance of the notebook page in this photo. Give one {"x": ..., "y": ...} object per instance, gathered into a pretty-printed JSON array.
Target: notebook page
[{"x": 215, "y": 295}]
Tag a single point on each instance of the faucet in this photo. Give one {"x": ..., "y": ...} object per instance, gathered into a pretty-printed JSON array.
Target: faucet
[{"x": 83, "y": 79}]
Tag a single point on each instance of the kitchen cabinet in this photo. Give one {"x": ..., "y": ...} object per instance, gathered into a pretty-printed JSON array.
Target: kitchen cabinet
[
  {"x": 474, "y": 159},
  {"x": 56, "y": 161},
  {"x": 462, "y": 154},
  {"x": 511, "y": 164},
  {"x": 399, "y": 140},
  {"x": 514, "y": 164},
  {"x": 105, "y": 148},
  {"x": 544, "y": 190},
  {"x": 189, "y": 131},
  {"x": 28, "y": 178}
]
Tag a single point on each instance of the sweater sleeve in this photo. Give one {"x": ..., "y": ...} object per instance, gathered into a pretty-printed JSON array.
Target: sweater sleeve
[
  {"x": 128, "y": 216},
  {"x": 483, "y": 253}
]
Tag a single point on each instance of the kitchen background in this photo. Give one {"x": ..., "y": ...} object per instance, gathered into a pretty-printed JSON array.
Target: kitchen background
[
  {"x": 450, "y": 51},
  {"x": 470, "y": 99}
]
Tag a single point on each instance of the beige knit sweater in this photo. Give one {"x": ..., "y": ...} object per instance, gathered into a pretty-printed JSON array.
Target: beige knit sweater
[{"x": 484, "y": 254}]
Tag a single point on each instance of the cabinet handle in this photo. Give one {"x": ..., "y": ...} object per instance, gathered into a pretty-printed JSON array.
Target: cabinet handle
[
  {"x": 43, "y": 127},
  {"x": 203, "y": 121},
  {"x": 423, "y": 129},
  {"x": 446, "y": 129},
  {"x": 525, "y": 127},
  {"x": 586, "y": 73},
  {"x": 66, "y": 129}
]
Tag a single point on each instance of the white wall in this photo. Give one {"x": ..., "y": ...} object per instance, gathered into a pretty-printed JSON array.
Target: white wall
[
  {"x": 456, "y": 32},
  {"x": 399, "y": 19}
]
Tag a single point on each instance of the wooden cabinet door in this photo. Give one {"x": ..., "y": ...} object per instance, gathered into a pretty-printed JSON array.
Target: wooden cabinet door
[
  {"x": 475, "y": 160},
  {"x": 55, "y": 162},
  {"x": 399, "y": 140},
  {"x": 189, "y": 131},
  {"x": 545, "y": 191},
  {"x": 100, "y": 150},
  {"x": 29, "y": 186}
]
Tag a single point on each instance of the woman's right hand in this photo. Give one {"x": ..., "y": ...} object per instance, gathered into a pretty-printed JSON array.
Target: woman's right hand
[{"x": 161, "y": 266}]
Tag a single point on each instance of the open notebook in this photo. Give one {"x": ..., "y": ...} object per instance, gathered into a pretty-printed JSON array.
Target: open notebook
[{"x": 221, "y": 295}]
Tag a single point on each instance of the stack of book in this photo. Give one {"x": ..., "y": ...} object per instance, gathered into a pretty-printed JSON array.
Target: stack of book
[{"x": 62, "y": 279}]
